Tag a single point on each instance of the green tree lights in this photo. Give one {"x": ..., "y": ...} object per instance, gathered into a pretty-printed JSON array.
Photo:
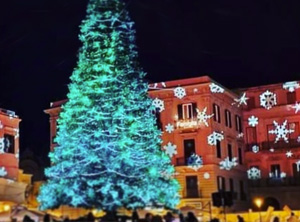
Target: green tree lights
[{"x": 109, "y": 153}]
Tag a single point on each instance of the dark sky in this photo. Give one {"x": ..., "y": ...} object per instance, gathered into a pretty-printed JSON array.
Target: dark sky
[{"x": 238, "y": 43}]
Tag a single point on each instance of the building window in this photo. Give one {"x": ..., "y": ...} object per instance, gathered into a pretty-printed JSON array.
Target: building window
[
  {"x": 228, "y": 118},
  {"x": 296, "y": 170},
  {"x": 251, "y": 102},
  {"x": 158, "y": 119},
  {"x": 231, "y": 187},
  {"x": 9, "y": 143},
  {"x": 221, "y": 183},
  {"x": 219, "y": 149},
  {"x": 275, "y": 171},
  {"x": 238, "y": 124},
  {"x": 216, "y": 112},
  {"x": 240, "y": 151},
  {"x": 251, "y": 135},
  {"x": 229, "y": 150},
  {"x": 187, "y": 111},
  {"x": 242, "y": 191},
  {"x": 189, "y": 149},
  {"x": 291, "y": 97},
  {"x": 191, "y": 186}
]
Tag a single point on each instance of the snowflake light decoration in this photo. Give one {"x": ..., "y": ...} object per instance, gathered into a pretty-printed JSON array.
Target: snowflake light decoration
[
  {"x": 242, "y": 100},
  {"x": 3, "y": 172},
  {"x": 240, "y": 135},
  {"x": 170, "y": 149},
  {"x": 214, "y": 88},
  {"x": 206, "y": 175},
  {"x": 179, "y": 92},
  {"x": 282, "y": 175},
  {"x": 281, "y": 131},
  {"x": 254, "y": 173},
  {"x": 2, "y": 145},
  {"x": 159, "y": 104},
  {"x": 291, "y": 86},
  {"x": 289, "y": 154},
  {"x": 227, "y": 164},
  {"x": 195, "y": 162},
  {"x": 296, "y": 107},
  {"x": 214, "y": 137},
  {"x": 203, "y": 117},
  {"x": 268, "y": 100},
  {"x": 255, "y": 149},
  {"x": 169, "y": 128},
  {"x": 253, "y": 121}
]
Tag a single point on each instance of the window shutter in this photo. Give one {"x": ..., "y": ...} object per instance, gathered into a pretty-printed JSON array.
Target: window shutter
[{"x": 179, "y": 109}]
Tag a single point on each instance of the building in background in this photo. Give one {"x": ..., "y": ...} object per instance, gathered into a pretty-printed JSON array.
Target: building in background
[
  {"x": 271, "y": 125},
  {"x": 14, "y": 184}
]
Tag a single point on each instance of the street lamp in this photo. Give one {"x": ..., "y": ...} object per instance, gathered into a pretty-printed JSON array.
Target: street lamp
[{"x": 258, "y": 202}]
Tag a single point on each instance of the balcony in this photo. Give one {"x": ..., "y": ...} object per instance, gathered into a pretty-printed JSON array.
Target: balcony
[
  {"x": 266, "y": 145},
  {"x": 191, "y": 123},
  {"x": 275, "y": 182}
]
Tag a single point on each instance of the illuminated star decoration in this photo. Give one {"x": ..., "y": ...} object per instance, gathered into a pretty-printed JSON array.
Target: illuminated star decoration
[
  {"x": 268, "y": 99},
  {"x": 195, "y": 162},
  {"x": 281, "y": 131},
  {"x": 296, "y": 107},
  {"x": 254, "y": 173},
  {"x": 214, "y": 88},
  {"x": 203, "y": 117},
  {"x": 289, "y": 154},
  {"x": 242, "y": 100},
  {"x": 3, "y": 172},
  {"x": 179, "y": 92},
  {"x": 291, "y": 86},
  {"x": 170, "y": 149},
  {"x": 169, "y": 128},
  {"x": 227, "y": 164},
  {"x": 158, "y": 104},
  {"x": 253, "y": 121},
  {"x": 214, "y": 137}
]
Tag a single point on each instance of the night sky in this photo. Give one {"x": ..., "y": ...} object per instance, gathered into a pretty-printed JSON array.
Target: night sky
[{"x": 238, "y": 43}]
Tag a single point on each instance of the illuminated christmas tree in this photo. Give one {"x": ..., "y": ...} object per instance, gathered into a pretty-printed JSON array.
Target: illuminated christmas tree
[{"x": 109, "y": 147}]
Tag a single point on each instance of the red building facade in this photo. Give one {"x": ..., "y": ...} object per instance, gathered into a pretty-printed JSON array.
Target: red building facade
[{"x": 271, "y": 126}]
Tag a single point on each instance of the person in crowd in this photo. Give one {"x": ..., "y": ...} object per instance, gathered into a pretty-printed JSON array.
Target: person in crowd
[
  {"x": 157, "y": 218},
  {"x": 240, "y": 219},
  {"x": 134, "y": 217},
  {"x": 181, "y": 217},
  {"x": 27, "y": 219},
  {"x": 292, "y": 218},
  {"x": 169, "y": 217},
  {"x": 191, "y": 217},
  {"x": 47, "y": 218},
  {"x": 148, "y": 217},
  {"x": 90, "y": 217},
  {"x": 276, "y": 219}
]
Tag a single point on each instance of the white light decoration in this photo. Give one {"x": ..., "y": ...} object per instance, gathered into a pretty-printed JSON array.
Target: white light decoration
[
  {"x": 17, "y": 155},
  {"x": 255, "y": 149},
  {"x": 170, "y": 149},
  {"x": 271, "y": 150},
  {"x": 159, "y": 104},
  {"x": 169, "y": 128},
  {"x": 3, "y": 172},
  {"x": 179, "y": 92},
  {"x": 281, "y": 131},
  {"x": 195, "y": 90},
  {"x": 214, "y": 88},
  {"x": 9, "y": 181},
  {"x": 2, "y": 145},
  {"x": 1, "y": 125},
  {"x": 203, "y": 117},
  {"x": 298, "y": 165},
  {"x": 289, "y": 154},
  {"x": 240, "y": 135},
  {"x": 282, "y": 175},
  {"x": 227, "y": 164},
  {"x": 163, "y": 84},
  {"x": 291, "y": 86},
  {"x": 268, "y": 99},
  {"x": 296, "y": 107},
  {"x": 17, "y": 133},
  {"x": 214, "y": 137},
  {"x": 254, "y": 173},
  {"x": 298, "y": 139},
  {"x": 253, "y": 121},
  {"x": 206, "y": 175},
  {"x": 241, "y": 101},
  {"x": 195, "y": 162}
]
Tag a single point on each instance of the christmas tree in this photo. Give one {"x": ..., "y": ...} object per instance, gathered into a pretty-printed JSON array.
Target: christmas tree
[{"x": 108, "y": 154}]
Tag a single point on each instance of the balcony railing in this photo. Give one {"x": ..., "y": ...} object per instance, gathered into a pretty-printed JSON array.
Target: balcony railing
[
  {"x": 191, "y": 123},
  {"x": 181, "y": 161},
  {"x": 266, "y": 145},
  {"x": 275, "y": 182}
]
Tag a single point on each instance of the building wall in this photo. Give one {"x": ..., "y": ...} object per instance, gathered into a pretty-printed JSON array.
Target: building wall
[{"x": 271, "y": 152}]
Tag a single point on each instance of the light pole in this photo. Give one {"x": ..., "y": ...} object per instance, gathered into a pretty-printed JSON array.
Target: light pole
[{"x": 258, "y": 202}]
